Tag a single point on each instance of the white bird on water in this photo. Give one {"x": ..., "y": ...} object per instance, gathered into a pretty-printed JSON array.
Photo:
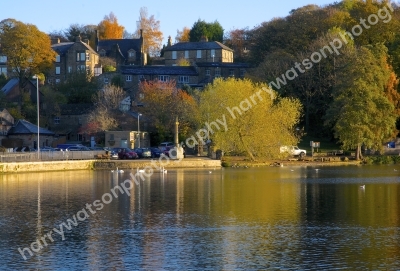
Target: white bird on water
[
  {"x": 362, "y": 186},
  {"x": 164, "y": 170}
]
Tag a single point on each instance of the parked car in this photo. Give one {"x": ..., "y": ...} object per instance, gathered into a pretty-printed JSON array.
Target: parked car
[
  {"x": 293, "y": 150},
  {"x": 77, "y": 148},
  {"x": 164, "y": 145},
  {"x": 155, "y": 152},
  {"x": 143, "y": 152},
  {"x": 126, "y": 153},
  {"x": 24, "y": 149}
]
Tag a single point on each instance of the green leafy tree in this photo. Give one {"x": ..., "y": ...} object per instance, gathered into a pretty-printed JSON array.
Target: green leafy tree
[
  {"x": 211, "y": 31},
  {"x": 78, "y": 88},
  {"x": 361, "y": 113}
]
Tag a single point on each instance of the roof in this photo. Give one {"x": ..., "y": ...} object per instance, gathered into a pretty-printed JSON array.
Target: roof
[
  {"x": 201, "y": 45},
  {"x": 159, "y": 70},
  {"x": 76, "y": 109},
  {"x": 223, "y": 64},
  {"x": 124, "y": 45},
  {"x": 62, "y": 47},
  {"x": 10, "y": 85},
  {"x": 25, "y": 127}
]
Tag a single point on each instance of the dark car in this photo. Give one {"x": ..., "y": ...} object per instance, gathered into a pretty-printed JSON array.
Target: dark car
[
  {"x": 155, "y": 152},
  {"x": 143, "y": 152},
  {"x": 126, "y": 153}
]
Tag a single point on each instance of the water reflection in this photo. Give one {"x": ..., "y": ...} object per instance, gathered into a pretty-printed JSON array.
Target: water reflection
[{"x": 263, "y": 218}]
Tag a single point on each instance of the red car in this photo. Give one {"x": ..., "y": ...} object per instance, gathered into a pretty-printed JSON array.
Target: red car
[{"x": 126, "y": 153}]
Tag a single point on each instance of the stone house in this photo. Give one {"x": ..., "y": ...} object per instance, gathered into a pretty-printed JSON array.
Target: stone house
[
  {"x": 122, "y": 51},
  {"x": 126, "y": 139},
  {"x": 67, "y": 124},
  {"x": 13, "y": 93},
  {"x": 195, "y": 52},
  {"x": 27, "y": 132},
  {"x": 73, "y": 57}
]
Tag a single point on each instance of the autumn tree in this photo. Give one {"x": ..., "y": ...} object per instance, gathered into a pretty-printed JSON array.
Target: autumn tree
[
  {"x": 361, "y": 113},
  {"x": 183, "y": 35},
  {"x": 105, "y": 115},
  {"x": 109, "y": 28},
  {"x": 162, "y": 103},
  {"x": 201, "y": 29},
  {"x": 28, "y": 51},
  {"x": 152, "y": 35},
  {"x": 238, "y": 40},
  {"x": 246, "y": 117}
]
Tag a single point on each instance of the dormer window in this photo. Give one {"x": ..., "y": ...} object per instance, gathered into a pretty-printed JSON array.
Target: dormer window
[{"x": 131, "y": 54}]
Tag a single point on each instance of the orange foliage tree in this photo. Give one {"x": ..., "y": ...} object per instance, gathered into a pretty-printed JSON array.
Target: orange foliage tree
[
  {"x": 162, "y": 103},
  {"x": 109, "y": 28},
  {"x": 183, "y": 36},
  {"x": 152, "y": 35}
]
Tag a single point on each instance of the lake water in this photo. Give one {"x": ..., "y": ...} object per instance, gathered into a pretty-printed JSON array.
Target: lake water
[{"x": 274, "y": 218}]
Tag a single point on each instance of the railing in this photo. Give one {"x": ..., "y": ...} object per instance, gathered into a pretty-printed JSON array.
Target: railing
[{"x": 48, "y": 156}]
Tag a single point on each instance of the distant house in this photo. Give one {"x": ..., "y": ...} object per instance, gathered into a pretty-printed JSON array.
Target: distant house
[
  {"x": 68, "y": 123},
  {"x": 13, "y": 93},
  {"x": 203, "y": 51},
  {"x": 122, "y": 51},
  {"x": 73, "y": 57},
  {"x": 28, "y": 133}
]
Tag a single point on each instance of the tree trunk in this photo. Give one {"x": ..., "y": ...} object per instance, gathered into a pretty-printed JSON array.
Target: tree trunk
[
  {"x": 358, "y": 153},
  {"x": 246, "y": 148}
]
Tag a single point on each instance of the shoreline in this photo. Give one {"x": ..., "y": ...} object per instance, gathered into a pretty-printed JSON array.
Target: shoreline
[{"x": 47, "y": 166}]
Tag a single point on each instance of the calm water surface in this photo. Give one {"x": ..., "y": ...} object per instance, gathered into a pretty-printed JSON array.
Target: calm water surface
[{"x": 289, "y": 218}]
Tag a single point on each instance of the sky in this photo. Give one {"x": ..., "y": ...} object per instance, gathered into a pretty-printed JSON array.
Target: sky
[{"x": 50, "y": 15}]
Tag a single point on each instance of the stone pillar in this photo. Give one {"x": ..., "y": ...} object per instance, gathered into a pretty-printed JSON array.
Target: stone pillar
[{"x": 179, "y": 149}]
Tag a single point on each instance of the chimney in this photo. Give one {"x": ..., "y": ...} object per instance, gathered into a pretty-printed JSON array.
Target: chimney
[
  {"x": 204, "y": 39},
  {"x": 55, "y": 41},
  {"x": 78, "y": 38},
  {"x": 96, "y": 41},
  {"x": 141, "y": 33},
  {"x": 169, "y": 41}
]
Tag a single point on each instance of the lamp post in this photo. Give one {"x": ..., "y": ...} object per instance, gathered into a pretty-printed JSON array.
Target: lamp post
[
  {"x": 138, "y": 129},
  {"x": 37, "y": 105}
]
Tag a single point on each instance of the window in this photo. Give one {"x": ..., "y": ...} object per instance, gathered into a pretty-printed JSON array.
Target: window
[
  {"x": 57, "y": 70},
  {"x": 3, "y": 70},
  {"x": 141, "y": 78},
  {"x": 87, "y": 56},
  {"x": 128, "y": 78},
  {"x": 242, "y": 72},
  {"x": 198, "y": 54},
  {"x": 56, "y": 120},
  {"x": 49, "y": 81},
  {"x": 57, "y": 58},
  {"x": 173, "y": 54},
  {"x": 3, "y": 59},
  {"x": 163, "y": 78},
  {"x": 57, "y": 80},
  {"x": 217, "y": 72},
  {"x": 105, "y": 80},
  {"x": 81, "y": 68},
  {"x": 212, "y": 52},
  {"x": 231, "y": 73},
  {"x": 69, "y": 69},
  {"x": 131, "y": 54},
  {"x": 80, "y": 56},
  {"x": 186, "y": 54},
  {"x": 87, "y": 69},
  {"x": 183, "y": 79},
  {"x": 207, "y": 72}
]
